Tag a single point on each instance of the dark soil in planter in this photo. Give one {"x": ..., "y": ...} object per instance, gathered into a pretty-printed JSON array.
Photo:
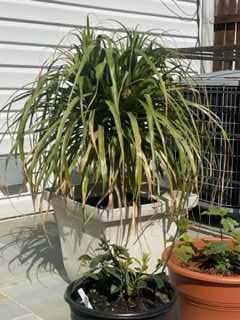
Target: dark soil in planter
[
  {"x": 100, "y": 203},
  {"x": 201, "y": 264},
  {"x": 122, "y": 304},
  {"x": 101, "y": 301}
]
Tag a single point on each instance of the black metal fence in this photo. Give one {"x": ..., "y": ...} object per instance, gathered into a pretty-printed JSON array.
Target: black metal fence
[{"x": 221, "y": 185}]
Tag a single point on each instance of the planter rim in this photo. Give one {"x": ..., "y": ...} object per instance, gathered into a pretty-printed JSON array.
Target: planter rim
[
  {"x": 162, "y": 309},
  {"x": 147, "y": 209},
  {"x": 175, "y": 266}
]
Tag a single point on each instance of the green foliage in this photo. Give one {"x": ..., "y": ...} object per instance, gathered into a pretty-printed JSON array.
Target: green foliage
[
  {"x": 221, "y": 257},
  {"x": 126, "y": 275},
  {"x": 185, "y": 250},
  {"x": 215, "y": 248},
  {"x": 215, "y": 211},
  {"x": 113, "y": 109},
  {"x": 229, "y": 224},
  {"x": 184, "y": 253},
  {"x": 183, "y": 226}
]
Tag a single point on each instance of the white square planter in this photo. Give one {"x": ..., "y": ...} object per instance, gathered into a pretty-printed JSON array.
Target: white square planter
[{"x": 81, "y": 230}]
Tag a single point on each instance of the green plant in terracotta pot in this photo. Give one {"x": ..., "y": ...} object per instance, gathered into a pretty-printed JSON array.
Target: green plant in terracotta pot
[
  {"x": 206, "y": 271},
  {"x": 115, "y": 140}
]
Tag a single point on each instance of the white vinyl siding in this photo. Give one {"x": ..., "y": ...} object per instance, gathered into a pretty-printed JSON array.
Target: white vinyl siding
[{"x": 31, "y": 29}]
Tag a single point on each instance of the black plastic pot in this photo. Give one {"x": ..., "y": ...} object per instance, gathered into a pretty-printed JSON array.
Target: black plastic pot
[{"x": 79, "y": 312}]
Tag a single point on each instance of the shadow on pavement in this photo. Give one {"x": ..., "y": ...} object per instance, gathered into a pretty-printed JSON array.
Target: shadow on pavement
[{"x": 38, "y": 248}]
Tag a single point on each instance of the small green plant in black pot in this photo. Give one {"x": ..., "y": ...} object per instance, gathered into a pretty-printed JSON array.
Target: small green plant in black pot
[{"x": 118, "y": 286}]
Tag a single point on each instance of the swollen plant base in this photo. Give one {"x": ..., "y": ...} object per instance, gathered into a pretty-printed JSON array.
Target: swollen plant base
[
  {"x": 204, "y": 296},
  {"x": 80, "y": 312},
  {"x": 80, "y": 231}
]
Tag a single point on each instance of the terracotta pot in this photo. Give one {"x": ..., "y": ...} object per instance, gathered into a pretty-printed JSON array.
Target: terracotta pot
[{"x": 203, "y": 296}]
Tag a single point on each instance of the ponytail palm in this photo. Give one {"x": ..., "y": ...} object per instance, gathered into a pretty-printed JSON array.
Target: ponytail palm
[{"x": 113, "y": 109}]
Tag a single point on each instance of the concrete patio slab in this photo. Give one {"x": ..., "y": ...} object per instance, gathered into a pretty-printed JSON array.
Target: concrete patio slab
[
  {"x": 28, "y": 317},
  {"x": 9, "y": 309},
  {"x": 32, "y": 275},
  {"x": 42, "y": 296},
  {"x": 32, "y": 281}
]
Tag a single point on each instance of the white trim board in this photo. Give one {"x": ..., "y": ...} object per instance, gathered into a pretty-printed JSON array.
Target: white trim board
[{"x": 18, "y": 206}]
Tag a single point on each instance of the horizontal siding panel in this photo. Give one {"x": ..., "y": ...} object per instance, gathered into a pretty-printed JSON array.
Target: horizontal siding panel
[
  {"x": 36, "y": 56},
  {"x": 4, "y": 97},
  {"x": 16, "y": 78},
  {"x": 186, "y": 10},
  {"x": 7, "y": 119},
  {"x": 174, "y": 42},
  {"x": 3, "y": 122},
  {"x": 13, "y": 78},
  {"x": 56, "y": 14},
  {"x": 7, "y": 141},
  {"x": 34, "y": 34},
  {"x": 27, "y": 34},
  {"x": 189, "y": 1},
  {"x": 24, "y": 56}
]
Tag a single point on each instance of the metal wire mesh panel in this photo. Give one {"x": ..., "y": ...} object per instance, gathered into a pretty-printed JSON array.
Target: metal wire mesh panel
[{"x": 221, "y": 184}]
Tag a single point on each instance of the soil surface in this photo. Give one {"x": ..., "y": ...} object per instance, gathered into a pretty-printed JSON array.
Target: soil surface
[
  {"x": 103, "y": 203},
  {"x": 198, "y": 264},
  {"x": 203, "y": 265},
  {"x": 120, "y": 304}
]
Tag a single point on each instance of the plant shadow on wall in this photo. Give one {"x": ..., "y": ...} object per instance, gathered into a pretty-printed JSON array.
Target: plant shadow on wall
[{"x": 37, "y": 250}]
